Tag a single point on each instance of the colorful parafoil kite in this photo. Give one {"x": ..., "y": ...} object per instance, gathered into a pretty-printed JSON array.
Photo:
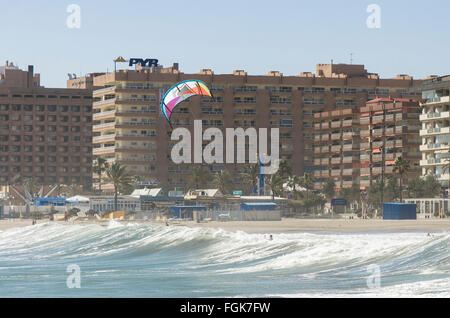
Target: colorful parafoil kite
[{"x": 181, "y": 92}]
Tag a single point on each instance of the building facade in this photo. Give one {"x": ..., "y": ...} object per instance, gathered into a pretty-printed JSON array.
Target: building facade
[
  {"x": 389, "y": 129},
  {"x": 129, "y": 128},
  {"x": 435, "y": 130},
  {"x": 45, "y": 133},
  {"x": 360, "y": 145}
]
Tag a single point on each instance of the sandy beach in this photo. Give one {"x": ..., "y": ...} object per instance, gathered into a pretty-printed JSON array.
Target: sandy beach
[{"x": 284, "y": 226}]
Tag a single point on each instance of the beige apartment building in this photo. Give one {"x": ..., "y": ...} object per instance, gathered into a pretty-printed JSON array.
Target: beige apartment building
[
  {"x": 129, "y": 128},
  {"x": 45, "y": 133},
  {"x": 435, "y": 132}
]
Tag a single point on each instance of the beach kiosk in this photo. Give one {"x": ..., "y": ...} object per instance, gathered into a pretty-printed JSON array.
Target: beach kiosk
[{"x": 185, "y": 211}]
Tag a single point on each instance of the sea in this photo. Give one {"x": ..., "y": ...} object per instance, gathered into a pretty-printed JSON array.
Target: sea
[{"x": 135, "y": 260}]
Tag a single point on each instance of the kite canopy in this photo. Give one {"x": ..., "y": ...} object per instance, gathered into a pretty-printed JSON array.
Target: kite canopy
[{"x": 181, "y": 92}]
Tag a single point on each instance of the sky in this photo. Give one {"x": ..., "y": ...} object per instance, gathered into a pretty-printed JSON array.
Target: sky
[{"x": 258, "y": 36}]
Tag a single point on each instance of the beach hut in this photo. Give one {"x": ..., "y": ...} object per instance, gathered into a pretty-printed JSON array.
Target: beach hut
[
  {"x": 399, "y": 211},
  {"x": 260, "y": 211},
  {"x": 185, "y": 211}
]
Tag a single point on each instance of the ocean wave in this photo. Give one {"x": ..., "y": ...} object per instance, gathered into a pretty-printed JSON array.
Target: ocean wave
[{"x": 407, "y": 261}]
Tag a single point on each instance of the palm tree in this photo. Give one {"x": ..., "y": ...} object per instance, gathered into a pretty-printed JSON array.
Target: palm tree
[
  {"x": 223, "y": 181},
  {"x": 250, "y": 176},
  {"x": 401, "y": 166},
  {"x": 307, "y": 182},
  {"x": 199, "y": 178},
  {"x": 118, "y": 177},
  {"x": 446, "y": 168},
  {"x": 31, "y": 185},
  {"x": 293, "y": 182},
  {"x": 275, "y": 182},
  {"x": 329, "y": 189},
  {"x": 100, "y": 166},
  {"x": 284, "y": 169}
]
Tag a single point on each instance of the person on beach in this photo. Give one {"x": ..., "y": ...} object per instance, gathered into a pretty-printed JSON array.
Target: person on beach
[
  {"x": 65, "y": 216},
  {"x": 33, "y": 222}
]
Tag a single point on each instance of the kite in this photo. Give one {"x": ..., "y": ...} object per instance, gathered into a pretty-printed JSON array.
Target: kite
[{"x": 179, "y": 93}]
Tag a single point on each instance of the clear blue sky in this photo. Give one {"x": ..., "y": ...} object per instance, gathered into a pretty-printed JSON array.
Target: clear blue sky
[{"x": 290, "y": 36}]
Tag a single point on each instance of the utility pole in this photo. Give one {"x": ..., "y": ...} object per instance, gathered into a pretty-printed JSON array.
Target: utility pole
[{"x": 382, "y": 153}]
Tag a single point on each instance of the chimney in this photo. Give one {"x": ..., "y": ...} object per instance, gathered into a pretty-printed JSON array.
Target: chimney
[{"x": 30, "y": 76}]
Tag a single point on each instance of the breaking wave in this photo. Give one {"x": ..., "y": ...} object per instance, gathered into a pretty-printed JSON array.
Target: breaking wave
[{"x": 158, "y": 261}]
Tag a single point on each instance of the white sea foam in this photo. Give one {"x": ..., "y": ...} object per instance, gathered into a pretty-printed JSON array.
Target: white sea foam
[{"x": 305, "y": 257}]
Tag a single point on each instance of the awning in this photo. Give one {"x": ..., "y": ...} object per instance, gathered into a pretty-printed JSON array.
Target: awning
[
  {"x": 379, "y": 113},
  {"x": 390, "y": 162},
  {"x": 365, "y": 115},
  {"x": 376, "y": 150}
]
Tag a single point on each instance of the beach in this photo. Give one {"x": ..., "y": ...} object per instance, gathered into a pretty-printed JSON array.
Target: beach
[{"x": 284, "y": 226}]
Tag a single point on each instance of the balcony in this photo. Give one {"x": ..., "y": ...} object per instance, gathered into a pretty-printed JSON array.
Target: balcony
[
  {"x": 335, "y": 124},
  {"x": 135, "y": 100},
  {"x": 335, "y": 160},
  {"x": 103, "y": 150},
  {"x": 434, "y": 131},
  {"x": 432, "y": 147},
  {"x": 347, "y": 147},
  {"x": 347, "y": 172},
  {"x": 443, "y": 177},
  {"x": 104, "y": 102},
  {"x": 377, "y": 170},
  {"x": 430, "y": 162},
  {"x": 347, "y": 123},
  {"x": 435, "y": 116},
  {"x": 335, "y": 172},
  {"x": 337, "y": 148},
  {"x": 347, "y": 135},
  {"x": 438, "y": 100},
  {"x": 102, "y": 91},
  {"x": 365, "y": 133},
  {"x": 104, "y": 138},
  {"x": 347, "y": 160},
  {"x": 335, "y": 136},
  {"x": 100, "y": 127},
  {"x": 104, "y": 115}
]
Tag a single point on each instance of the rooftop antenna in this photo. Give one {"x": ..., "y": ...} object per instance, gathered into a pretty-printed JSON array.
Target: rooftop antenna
[{"x": 351, "y": 58}]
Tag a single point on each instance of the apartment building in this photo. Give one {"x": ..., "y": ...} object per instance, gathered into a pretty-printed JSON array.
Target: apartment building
[
  {"x": 435, "y": 132},
  {"x": 389, "y": 129},
  {"x": 358, "y": 146},
  {"x": 129, "y": 128},
  {"x": 336, "y": 151},
  {"x": 45, "y": 133}
]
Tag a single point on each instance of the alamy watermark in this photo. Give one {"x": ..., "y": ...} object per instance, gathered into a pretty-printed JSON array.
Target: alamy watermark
[
  {"x": 374, "y": 19},
  {"x": 74, "y": 279},
  {"x": 74, "y": 19},
  {"x": 374, "y": 279},
  {"x": 214, "y": 151}
]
